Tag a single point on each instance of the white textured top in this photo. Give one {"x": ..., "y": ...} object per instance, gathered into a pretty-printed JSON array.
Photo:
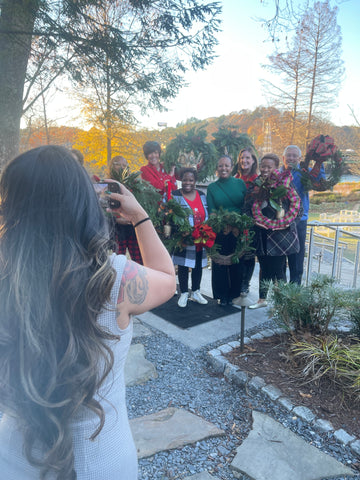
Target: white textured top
[{"x": 112, "y": 455}]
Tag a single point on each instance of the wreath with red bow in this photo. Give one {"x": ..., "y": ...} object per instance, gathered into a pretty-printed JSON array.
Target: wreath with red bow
[{"x": 322, "y": 148}]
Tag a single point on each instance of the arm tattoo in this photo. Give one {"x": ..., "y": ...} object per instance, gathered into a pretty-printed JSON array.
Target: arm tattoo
[{"x": 134, "y": 283}]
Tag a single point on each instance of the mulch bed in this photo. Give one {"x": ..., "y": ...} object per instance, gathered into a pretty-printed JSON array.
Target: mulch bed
[{"x": 271, "y": 359}]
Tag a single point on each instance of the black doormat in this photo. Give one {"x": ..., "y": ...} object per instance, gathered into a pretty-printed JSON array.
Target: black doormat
[{"x": 194, "y": 313}]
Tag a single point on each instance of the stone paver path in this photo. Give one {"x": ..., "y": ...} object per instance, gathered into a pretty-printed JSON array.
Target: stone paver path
[
  {"x": 168, "y": 429},
  {"x": 138, "y": 370},
  {"x": 270, "y": 452},
  {"x": 273, "y": 452}
]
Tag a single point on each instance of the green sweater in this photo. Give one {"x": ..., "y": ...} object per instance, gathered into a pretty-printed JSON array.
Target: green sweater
[{"x": 228, "y": 193}]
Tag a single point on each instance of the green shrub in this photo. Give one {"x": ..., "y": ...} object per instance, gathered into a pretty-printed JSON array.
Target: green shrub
[
  {"x": 312, "y": 307},
  {"x": 354, "y": 310},
  {"x": 355, "y": 318}
]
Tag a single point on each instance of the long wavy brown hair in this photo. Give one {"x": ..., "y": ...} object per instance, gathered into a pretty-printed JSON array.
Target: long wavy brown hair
[
  {"x": 55, "y": 279},
  {"x": 254, "y": 167}
]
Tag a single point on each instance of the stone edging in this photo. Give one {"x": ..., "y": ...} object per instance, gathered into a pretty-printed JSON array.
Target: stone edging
[{"x": 233, "y": 374}]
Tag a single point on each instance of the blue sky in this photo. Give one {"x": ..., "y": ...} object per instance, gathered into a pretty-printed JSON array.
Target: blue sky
[{"x": 232, "y": 82}]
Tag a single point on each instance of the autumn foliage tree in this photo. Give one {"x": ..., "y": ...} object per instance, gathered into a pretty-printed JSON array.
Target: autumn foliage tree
[
  {"x": 160, "y": 40},
  {"x": 127, "y": 141}
]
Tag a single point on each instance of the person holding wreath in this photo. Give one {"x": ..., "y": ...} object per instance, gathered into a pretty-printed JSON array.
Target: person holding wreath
[
  {"x": 123, "y": 231},
  {"x": 247, "y": 170},
  {"x": 154, "y": 172},
  {"x": 275, "y": 207},
  {"x": 292, "y": 159},
  {"x": 192, "y": 256},
  {"x": 229, "y": 193}
]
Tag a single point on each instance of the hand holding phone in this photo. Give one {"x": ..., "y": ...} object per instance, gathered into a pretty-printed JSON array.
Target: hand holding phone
[
  {"x": 114, "y": 187},
  {"x": 131, "y": 210},
  {"x": 102, "y": 188}
]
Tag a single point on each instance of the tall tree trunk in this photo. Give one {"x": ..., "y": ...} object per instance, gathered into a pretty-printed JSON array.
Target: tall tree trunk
[
  {"x": 45, "y": 114},
  {"x": 313, "y": 84},
  {"x": 16, "y": 16},
  {"x": 297, "y": 80},
  {"x": 108, "y": 114}
]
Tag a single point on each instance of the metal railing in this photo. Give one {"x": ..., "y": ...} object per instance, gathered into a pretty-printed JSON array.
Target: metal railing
[{"x": 329, "y": 252}]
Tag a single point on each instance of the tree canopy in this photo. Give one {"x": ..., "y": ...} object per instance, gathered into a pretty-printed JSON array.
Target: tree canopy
[
  {"x": 310, "y": 70},
  {"x": 149, "y": 48}
]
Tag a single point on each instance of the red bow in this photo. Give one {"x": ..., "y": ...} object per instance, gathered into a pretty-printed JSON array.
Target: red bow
[
  {"x": 321, "y": 147},
  {"x": 204, "y": 235}
]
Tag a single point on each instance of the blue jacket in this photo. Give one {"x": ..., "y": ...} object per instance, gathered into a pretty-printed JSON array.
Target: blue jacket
[{"x": 303, "y": 194}]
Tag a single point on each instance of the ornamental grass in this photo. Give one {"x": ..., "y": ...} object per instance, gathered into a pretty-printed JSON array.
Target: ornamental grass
[{"x": 330, "y": 357}]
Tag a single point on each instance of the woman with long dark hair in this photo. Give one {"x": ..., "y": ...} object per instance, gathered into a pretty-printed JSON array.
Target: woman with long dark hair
[{"x": 65, "y": 321}]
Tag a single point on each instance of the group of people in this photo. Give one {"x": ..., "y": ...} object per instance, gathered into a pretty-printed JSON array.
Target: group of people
[
  {"x": 277, "y": 242},
  {"x": 67, "y": 305},
  {"x": 187, "y": 196},
  {"x": 279, "y": 234}
]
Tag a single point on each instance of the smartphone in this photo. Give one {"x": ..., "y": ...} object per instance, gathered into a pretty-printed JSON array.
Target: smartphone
[{"x": 101, "y": 188}]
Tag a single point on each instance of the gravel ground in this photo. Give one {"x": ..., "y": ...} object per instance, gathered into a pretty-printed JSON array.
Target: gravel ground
[{"x": 187, "y": 381}]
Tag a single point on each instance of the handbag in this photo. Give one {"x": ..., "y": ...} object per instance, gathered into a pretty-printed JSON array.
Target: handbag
[{"x": 283, "y": 242}]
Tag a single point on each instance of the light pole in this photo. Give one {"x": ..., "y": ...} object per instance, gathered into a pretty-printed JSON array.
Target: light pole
[{"x": 242, "y": 302}]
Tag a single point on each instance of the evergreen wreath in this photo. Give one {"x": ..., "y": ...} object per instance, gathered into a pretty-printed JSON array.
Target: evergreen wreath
[
  {"x": 322, "y": 148},
  {"x": 143, "y": 191},
  {"x": 272, "y": 192},
  {"x": 228, "y": 141},
  {"x": 173, "y": 226},
  {"x": 190, "y": 150},
  {"x": 222, "y": 220}
]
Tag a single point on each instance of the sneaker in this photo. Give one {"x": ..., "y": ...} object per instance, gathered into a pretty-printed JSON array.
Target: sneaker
[
  {"x": 183, "y": 299},
  {"x": 197, "y": 297},
  {"x": 258, "y": 305}
]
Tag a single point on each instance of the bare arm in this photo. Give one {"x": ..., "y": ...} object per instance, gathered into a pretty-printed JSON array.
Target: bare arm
[{"x": 143, "y": 287}]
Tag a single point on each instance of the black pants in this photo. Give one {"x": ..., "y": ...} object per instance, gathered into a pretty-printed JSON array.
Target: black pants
[
  {"x": 247, "y": 267},
  {"x": 296, "y": 260},
  {"x": 272, "y": 268},
  {"x": 226, "y": 279},
  {"x": 196, "y": 274}
]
